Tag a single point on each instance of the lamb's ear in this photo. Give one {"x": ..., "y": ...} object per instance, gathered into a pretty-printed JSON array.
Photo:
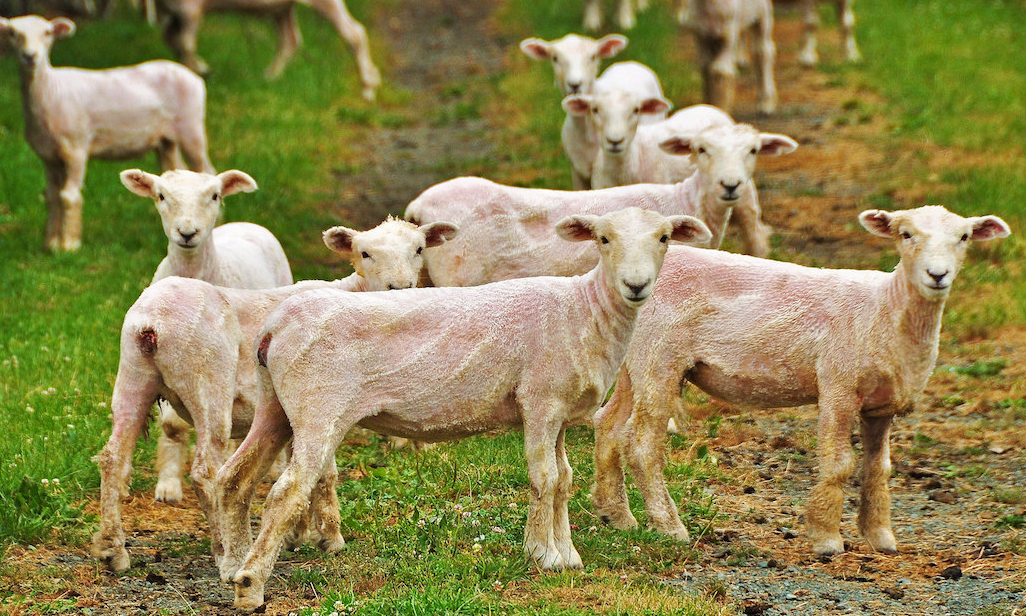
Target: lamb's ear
[
  {"x": 689, "y": 230},
  {"x": 577, "y": 228},
  {"x": 775, "y": 145},
  {"x": 988, "y": 228},
  {"x": 339, "y": 239},
  {"x": 236, "y": 181},
  {"x": 139, "y": 182},
  {"x": 577, "y": 104},
  {"x": 62, "y": 27},
  {"x": 536, "y": 48},
  {"x": 655, "y": 105},
  {"x": 679, "y": 145},
  {"x": 437, "y": 233},
  {"x": 877, "y": 222},
  {"x": 610, "y": 45},
  {"x": 5, "y": 26}
]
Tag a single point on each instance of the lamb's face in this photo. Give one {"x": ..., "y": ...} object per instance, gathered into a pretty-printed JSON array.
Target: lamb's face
[
  {"x": 726, "y": 156},
  {"x": 575, "y": 59},
  {"x": 188, "y": 202},
  {"x": 389, "y": 256},
  {"x": 932, "y": 242},
  {"x": 614, "y": 115},
  {"x": 31, "y": 36},
  {"x": 632, "y": 243}
]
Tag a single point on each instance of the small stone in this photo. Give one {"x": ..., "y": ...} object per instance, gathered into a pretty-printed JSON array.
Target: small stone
[
  {"x": 894, "y": 592},
  {"x": 932, "y": 484},
  {"x": 953, "y": 572},
  {"x": 155, "y": 578},
  {"x": 791, "y": 597},
  {"x": 772, "y": 563},
  {"x": 943, "y": 496},
  {"x": 749, "y": 490},
  {"x": 789, "y": 533},
  {"x": 756, "y": 608}
]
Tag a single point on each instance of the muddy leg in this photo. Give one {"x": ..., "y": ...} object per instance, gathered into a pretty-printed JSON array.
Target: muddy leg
[
  {"x": 540, "y": 446},
  {"x": 609, "y": 493},
  {"x": 560, "y": 507},
  {"x": 875, "y": 500},
  {"x": 836, "y": 463},
  {"x": 71, "y": 201},
  {"x": 847, "y": 19}
]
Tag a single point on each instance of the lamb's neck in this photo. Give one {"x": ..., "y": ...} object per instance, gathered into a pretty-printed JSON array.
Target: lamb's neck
[
  {"x": 710, "y": 210},
  {"x": 614, "y": 167},
  {"x": 581, "y": 127},
  {"x": 37, "y": 85},
  {"x": 199, "y": 262},
  {"x": 915, "y": 319},
  {"x": 612, "y": 319}
]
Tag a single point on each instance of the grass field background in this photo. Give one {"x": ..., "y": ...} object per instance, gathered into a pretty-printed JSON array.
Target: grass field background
[{"x": 951, "y": 75}]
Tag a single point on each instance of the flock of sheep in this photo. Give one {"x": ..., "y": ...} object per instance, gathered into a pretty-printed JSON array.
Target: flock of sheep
[{"x": 540, "y": 300}]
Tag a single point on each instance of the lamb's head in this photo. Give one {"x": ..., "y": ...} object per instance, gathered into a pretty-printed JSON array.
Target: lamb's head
[
  {"x": 932, "y": 242},
  {"x": 389, "y": 256},
  {"x": 188, "y": 202},
  {"x": 575, "y": 59},
  {"x": 32, "y": 36},
  {"x": 725, "y": 156},
  {"x": 614, "y": 115},
  {"x": 632, "y": 243}
]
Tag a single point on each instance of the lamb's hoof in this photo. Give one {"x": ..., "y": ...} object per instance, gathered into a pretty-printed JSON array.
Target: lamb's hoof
[
  {"x": 572, "y": 559},
  {"x": 677, "y": 532},
  {"x": 547, "y": 558},
  {"x": 671, "y": 427},
  {"x": 767, "y": 107},
  {"x": 228, "y": 567},
  {"x": 114, "y": 557},
  {"x": 168, "y": 491},
  {"x": 619, "y": 519},
  {"x": 828, "y": 547},
  {"x": 249, "y": 593},
  {"x": 808, "y": 59},
  {"x": 369, "y": 93},
  {"x": 882, "y": 540}
]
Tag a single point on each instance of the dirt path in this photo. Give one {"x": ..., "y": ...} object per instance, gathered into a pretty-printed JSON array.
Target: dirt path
[{"x": 959, "y": 459}]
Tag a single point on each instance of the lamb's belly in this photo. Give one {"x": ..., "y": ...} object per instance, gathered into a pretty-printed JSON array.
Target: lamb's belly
[
  {"x": 770, "y": 389},
  {"x": 444, "y": 424}
]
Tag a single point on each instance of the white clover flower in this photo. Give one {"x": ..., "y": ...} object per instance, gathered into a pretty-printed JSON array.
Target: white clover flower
[
  {"x": 45, "y": 481},
  {"x": 339, "y": 605},
  {"x": 477, "y": 547},
  {"x": 458, "y": 507},
  {"x": 497, "y": 585},
  {"x": 29, "y": 409},
  {"x": 420, "y": 523},
  {"x": 465, "y": 515},
  {"x": 71, "y": 426},
  {"x": 66, "y": 358},
  {"x": 511, "y": 506},
  {"x": 102, "y": 405},
  {"x": 592, "y": 529},
  {"x": 496, "y": 529},
  {"x": 637, "y": 548},
  {"x": 475, "y": 522},
  {"x": 56, "y": 481}
]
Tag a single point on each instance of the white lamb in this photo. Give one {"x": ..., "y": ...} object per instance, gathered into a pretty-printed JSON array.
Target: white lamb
[
  {"x": 181, "y": 19},
  {"x": 240, "y": 255},
  {"x": 575, "y": 62},
  {"x": 191, "y": 343},
  {"x": 439, "y": 364},
  {"x": 72, "y": 114},
  {"x": 717, "y": 26},
  {"x": 764, "y": 334},
  {"x": 507, "y": 231}
]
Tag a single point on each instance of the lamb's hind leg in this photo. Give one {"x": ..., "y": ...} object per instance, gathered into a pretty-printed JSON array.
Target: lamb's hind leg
[
  {"x": 875, "y": 501},
  {"x": 71, "y": 200},
  {"x": 356, "y": 36},
  {"x": 289, "y": 40},
  {"x": 645, "y": 444},
  {"x": 312, "y": 450},
  {"x": 846, "y": 17},
  {"x": 540, "y": 436},
  {"x": 55, "y": 210},
  {"x": 609, "y": 493},
  {"x": 135, "y": 390}
]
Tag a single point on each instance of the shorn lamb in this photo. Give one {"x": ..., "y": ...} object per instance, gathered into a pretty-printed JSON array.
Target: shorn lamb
[
  {"x": 72, "y": 114},
  {"x": 625, "y": 15},
  {"x": 438, "y": 364},
  {"x": 575, "y": 61},
  {"x": 846, "y": 20},
  {"x": 240, "y": 255},
  {"x": 182, "y": 20},
  {"x": 717, "y": 26},
  {"x": 764, "y": 334},
  {"x": 507, "y": 231},
  {"x": 191, "y": 343}
]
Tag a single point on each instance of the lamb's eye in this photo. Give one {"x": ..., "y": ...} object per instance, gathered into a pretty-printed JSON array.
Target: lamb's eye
[
  {"x": 754, "y": 151},
  {"x": 664, "y": 238},
  {"x": 906, "y": 235},
  {"x": 420, "y": 249},
  {"x": 605, "y": 240},
  {"x": 160, "y": 196},
  {"x": 365, "y": 255},
  {"x": 637, "y": 110},
  {"x": 594, "y": 109},
  {"x": 701, "y": 150},
  {"x": 965, "y": 236},
  {"x": 214, "y": 197}
]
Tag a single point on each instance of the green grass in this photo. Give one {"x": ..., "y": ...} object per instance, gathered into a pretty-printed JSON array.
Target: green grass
[{"x": 950, "y": 73}]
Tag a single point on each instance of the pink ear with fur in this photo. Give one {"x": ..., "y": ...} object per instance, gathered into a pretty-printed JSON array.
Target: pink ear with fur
[
  {"x": 339, "y": 239},
  {"x": 577, "y": 228},
  {"x": 680, "y": 145},
  {"x": 62, "y": 27},
  {"x": 437, "y": 233},
  {"x": 877, "y": 222},
  {"x": 536, "y": 48},
  {"x": 988, "y": 228},
  {"x": 655, "y": 105},
  {"x": 236, "y": 181},
  {"x": 775, "y": 145},
  {"x": 139, "y": 182},
  {"x": 609, "y": 46},
  {"x": 577, "y": 104}
]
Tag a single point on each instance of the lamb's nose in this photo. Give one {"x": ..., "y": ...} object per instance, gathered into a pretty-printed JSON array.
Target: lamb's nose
[
  {"x": 730, "y": 188},
  {"x": 636, "y": 288},
  {"x": 615, "y": 142},
  {"x": 937, "y": 277},
  {"x": 574, "y": 87},
  {"x": 188, "y": 236}
]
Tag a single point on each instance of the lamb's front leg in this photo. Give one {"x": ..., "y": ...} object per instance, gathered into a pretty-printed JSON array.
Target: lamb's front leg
[
  {"x": 837, "y": 411},
  {"x": 560, "y": 507},
  {"x": 609, "y": 493},
  {"x": 747, "y": 215},
  {"x": 540, "y": 437},
  {"x": 55, "y": 210},
  {"x": 71, "y": 200},
  {"x": 875, "y": 500}
]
